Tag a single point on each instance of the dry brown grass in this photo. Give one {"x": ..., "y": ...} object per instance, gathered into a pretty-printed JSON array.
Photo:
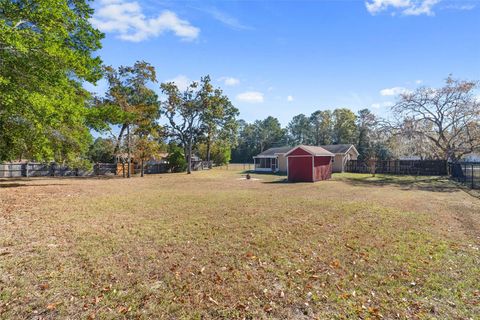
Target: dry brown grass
[{"x": 209, "y": 245}]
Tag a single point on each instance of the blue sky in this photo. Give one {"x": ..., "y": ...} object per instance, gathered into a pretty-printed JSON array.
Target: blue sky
[{"x": 282, "y": 58}]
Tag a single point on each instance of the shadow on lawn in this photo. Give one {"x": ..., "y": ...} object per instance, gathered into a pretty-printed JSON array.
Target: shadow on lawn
[
  {"x": 280, "y": 181},
  {"x": 19, "y": 185},
  {"x": 434, "y": 184},
  {"x": 24, "y": 182}
]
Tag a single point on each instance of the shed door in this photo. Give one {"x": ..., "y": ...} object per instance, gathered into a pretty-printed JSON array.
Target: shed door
[{"x": 300, "y": 168}]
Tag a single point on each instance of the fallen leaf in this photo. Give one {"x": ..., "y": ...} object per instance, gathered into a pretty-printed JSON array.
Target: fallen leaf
[
  {"x": 44, "y": 286},
  {"x": 212, "y": 300},
  {"x": 52, "y": 306}
]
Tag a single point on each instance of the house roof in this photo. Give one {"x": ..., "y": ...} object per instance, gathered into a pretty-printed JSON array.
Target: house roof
[
  {"x": 339, "y": 148},
  {"x": 273, "y": 151},
  {"x": 313, "y": 150}
]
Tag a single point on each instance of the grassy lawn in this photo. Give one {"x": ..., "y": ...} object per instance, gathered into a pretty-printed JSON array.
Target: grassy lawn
[{"x": 211, "y": 245}]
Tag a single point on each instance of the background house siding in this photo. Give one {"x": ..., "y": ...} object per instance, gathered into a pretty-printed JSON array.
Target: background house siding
[
  {"x": 282, "y": 163},
  {"x": 338, "y": 163}
]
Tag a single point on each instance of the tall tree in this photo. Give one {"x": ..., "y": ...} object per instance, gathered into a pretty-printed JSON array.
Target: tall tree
[
  {"x": 269, "y": 133},
  {"x": 218, "y": 117},
  {"x": 147, "y": 144},
  {"x": 344, "y": 126},
  {"x": 448, "y": 117},
  {"x": 200, "y": 113},
  {"x": 366, "y": 122},
  {"x": 46, "y": 51},
  {"x": 322, "y": 130},
  {"x": 300, "y": 129},
  {"x": 130, "y": 104},
  {"x": 246, "y": 146},
  {"x": 184, "y": 112}
]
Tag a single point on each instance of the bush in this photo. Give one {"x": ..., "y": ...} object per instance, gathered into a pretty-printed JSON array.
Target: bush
[{"x": 176, "y": 159}]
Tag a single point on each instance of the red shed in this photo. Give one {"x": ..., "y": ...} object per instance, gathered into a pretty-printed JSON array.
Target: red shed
[{"x": 309, "y": 164}]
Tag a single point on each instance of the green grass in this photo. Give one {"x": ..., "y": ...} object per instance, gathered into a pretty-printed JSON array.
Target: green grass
[{"x": 209, "y": 245}]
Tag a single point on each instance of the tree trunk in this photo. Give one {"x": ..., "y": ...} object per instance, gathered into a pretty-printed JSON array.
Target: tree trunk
[
  {"x": 209, "y": 151},
  {"x": 189, "y": 167},
  {"x": 119, "y": 139},
  {"x": 128, "y": 151},
  {"x": 141, "y": 173}
]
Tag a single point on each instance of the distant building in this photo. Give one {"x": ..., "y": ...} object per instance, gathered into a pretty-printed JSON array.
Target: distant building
[
  {"x": 343, "y": 153},
  {"x": 274, "y": 160},
  {"x": 471, "y": 157},
  {"x": 309, "y": 164}
]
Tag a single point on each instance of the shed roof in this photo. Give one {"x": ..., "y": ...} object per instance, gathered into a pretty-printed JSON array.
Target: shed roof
[
  {"x": 273, "y": 151},
  {"x": 339, "y": 148},
  {"x": 313, "y": 150}
]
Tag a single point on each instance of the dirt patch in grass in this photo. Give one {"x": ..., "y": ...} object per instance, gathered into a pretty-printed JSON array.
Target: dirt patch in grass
[{"x": 208, "y": 245}]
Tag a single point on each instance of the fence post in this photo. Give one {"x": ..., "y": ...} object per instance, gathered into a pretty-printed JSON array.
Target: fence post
[
  {"x": 472, "y": 176},
  {"x": 52, "y": 169},
  {"x": 26, "y": 169}
]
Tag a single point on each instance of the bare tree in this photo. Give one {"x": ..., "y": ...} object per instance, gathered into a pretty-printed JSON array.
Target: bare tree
[{"x": 448, "y": 117}]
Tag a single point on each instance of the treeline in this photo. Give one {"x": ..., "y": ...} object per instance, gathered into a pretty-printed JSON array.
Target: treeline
[
  {"x": 322, "y": 127},
  {"x": 47, "y": 53},
  {"x": 426, "y": 123}
]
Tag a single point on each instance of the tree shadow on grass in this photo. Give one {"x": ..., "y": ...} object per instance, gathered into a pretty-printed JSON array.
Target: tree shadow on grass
[
  {"x": 29, "y": 182},
  {"x": 407, "y": 183},
  {"x": 20, "y": 185},
  {"x": 279, "y": 181}
]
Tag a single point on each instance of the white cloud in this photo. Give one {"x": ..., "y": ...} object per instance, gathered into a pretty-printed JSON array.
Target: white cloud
[
  {"x": 230, "y": 81},
  {"x": 395, "y": 91},
  {"x": 406, "y": 7},
  {"x": 130, "y": 24},
  {"x": 181, "y": 81},
  {"x": 461, "y": 7},
  {"x": 250, "y": 97},
  {"x": 290, "y": 98},
  {"x": 383, "y": 104},
  {"x": 418, "y": 81},
  {"x": 226, "y": 19}
]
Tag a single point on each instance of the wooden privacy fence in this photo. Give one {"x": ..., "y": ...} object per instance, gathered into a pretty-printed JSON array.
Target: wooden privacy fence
[
  {"x": 407, "y": 167},
  {"x": 35, "y": 169}
]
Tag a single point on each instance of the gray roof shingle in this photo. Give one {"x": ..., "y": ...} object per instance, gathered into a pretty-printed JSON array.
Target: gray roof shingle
[
  {"x": 337, "y": 148},
  {"x": 273, "y": 151},
  {"x": 314, "y": 150}
]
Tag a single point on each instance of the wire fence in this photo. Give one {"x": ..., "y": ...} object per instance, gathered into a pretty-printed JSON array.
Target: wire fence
[
  {"x": 467, "y": 173},
  {"x": 236, "y": 166}
]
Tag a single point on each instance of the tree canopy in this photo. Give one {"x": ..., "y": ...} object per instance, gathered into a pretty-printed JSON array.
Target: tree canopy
[
  {"x": 198, "y": 113},
  {"x": 46, "y": 52},
  {"x": 448, "y": 117}
]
